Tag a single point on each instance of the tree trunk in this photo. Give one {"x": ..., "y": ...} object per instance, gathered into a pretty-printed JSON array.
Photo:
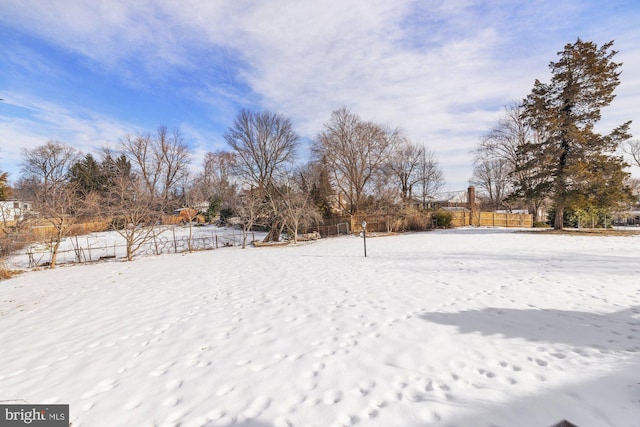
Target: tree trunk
[
  {"x": 245, "y": 233},
  {"x": 558, "y": 222},
  {"x": 54, "y": 254},
  {"x": 274, "y": 234},
  {"x": 129, "y": 250}
]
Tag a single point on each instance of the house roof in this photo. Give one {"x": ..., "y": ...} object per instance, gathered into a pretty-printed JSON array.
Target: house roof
[{"x": 451, "y": 197}]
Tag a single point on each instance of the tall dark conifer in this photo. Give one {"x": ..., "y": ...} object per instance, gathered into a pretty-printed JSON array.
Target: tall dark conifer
[
  {"x": 87, "y": 175},
  {"x": 574, "y": 164}
]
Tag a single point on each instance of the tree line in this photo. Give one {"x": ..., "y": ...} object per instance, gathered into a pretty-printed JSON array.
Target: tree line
[
  {"x": 545, "y": 152},
  {"x": 354, "y": 166}
]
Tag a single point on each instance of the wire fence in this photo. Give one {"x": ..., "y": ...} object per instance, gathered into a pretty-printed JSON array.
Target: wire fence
[{"x": 83, "y": 250}]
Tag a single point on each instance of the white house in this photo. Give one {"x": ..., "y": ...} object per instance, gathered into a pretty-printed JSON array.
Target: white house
[{"x": 14, "y": 210}]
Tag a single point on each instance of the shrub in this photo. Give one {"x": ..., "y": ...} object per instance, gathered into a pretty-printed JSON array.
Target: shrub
[
  {"x": 118, "y": 223},
  {"x": 225, "y": 214},
  {"x": 415, "y": 222},
  {"x": 442, "y": 218},
  {"x": 7, "y": 273}
]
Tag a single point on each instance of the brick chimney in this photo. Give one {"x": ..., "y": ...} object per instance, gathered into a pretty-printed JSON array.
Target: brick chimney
[{"x": 471, "y": 198}]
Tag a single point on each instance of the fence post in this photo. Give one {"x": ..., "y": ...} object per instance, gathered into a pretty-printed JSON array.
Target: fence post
[{"x": 175, "y": 244}]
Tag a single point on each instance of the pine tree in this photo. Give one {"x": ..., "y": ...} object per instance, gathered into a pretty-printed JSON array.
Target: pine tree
[
  {"x": 571, "y": 163},
  {"x": 5, "y": 190},
  {"x": 87, "y": 175},
  {"x": 321, "y": 190}
]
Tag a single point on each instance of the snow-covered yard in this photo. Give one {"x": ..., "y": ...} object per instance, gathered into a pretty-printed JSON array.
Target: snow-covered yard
[
  {"x": 109, "y": 245},
  {"x": 468, "y": 327}
]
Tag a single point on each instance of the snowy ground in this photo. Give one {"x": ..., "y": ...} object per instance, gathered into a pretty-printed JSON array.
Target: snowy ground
[
  {"x": 163, "y": 240},
  {"x": 468, "y": 327}
]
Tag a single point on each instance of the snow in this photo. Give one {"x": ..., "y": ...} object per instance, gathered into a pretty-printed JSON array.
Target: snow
[
  {"x": 467, "y": 327},
  {"x": 164, "y": 239}
]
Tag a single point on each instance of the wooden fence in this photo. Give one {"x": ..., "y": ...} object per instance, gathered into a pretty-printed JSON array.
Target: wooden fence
[
  {"x": 43, "y": 228},
  {"x": 382, "y": 223},
  {"x": 492, "y": 219}
]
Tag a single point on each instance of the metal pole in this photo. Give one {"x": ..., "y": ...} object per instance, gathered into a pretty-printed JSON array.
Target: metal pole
[{"x": 364, "y": 235}]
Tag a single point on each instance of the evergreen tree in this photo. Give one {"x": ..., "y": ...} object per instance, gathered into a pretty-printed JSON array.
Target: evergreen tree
[
  {"x": 87, "y": 175},
  {"x": 571, "y": 163},
  {"x": 321, "y": 190},
  {"x": 5, "y": 190}
]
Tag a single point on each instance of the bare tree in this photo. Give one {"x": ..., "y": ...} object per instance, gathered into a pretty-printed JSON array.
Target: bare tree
[
  {"x": 502, "y": 146},
  {"x": 216, "y": 178},
  {"x": 431, "y": 177},
  {"x": 492, "y": 177},
  {"x": 298, "y": 208},
  {"x": 249, "y": 209},
  {"x": 133, "y": 211},
  {"x": 506, "y": 136},
  {"x": 45, "y": 169},
  {"x": 632, "y": 148},
  {"x": 49, "y": 163},
  {"x": 404, "y": 164},
  {"x": 355, "y": 151},
  {"x": 264, "y": 145},
  {"x": 314, "y": 180},
  {"x": 161, "y": 160}
]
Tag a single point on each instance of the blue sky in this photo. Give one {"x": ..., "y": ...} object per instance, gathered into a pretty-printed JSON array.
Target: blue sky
[{"x": 89, "y": 72}]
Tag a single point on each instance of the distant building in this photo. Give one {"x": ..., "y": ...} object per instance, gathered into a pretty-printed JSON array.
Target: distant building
[
  {"x": 464, "y": 200},
  {"x": 628, "y": 218},
  {"x": 14, "y": 210}
]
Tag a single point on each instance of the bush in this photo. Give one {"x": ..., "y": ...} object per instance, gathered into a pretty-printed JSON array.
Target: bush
[
  {"x": 225, "y": 214},
  {"x": 215, "y": 204},
  {"x": 415, "y": 222},
  {"x": 118, "y": 223},
  {"x": 540, "y": 224},
  {"x": 442, "y": 218},
  {"x": 7, "y": 273}
]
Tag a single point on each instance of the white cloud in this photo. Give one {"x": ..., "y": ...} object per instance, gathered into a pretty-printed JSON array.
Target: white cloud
[
  {"x": 39, "y": 121},
  {"x": 440, "y": 70}
]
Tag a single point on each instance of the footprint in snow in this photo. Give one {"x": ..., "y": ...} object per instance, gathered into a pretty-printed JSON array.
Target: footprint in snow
[
  {"x": 224, "y": 390},
  {"x": 394, "y": 395},
  {"x": 176, "y": 415},
  {"x": 332, "y": 397},
  {"x": 369, "y": 413},
  {"x": 292, "y": 403},
  {"x": 347, "y": 420},
  {"x": 171, "y": 401},
  {"x": 258, "y": 406},
  {"x": 415, "y": 395},
  {"x": 216, "y": 414},
  {"x": 399, "y": 384},
  {"x": 261, "y": 330},
  {"x": 102, "y": 387},
  {"x": 173, "y": 385},
  {"x": 309, "y": 385},
  {"x": 312, "y": 401},
  {"x": 132, "y": 404},
  {"x": 539, "y": 362},
  {"x": 282, "y": 422}
]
